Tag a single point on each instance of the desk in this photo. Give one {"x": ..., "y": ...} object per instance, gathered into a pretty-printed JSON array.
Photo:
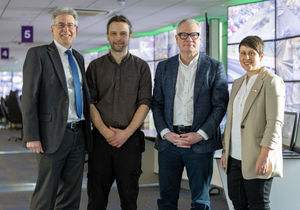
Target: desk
[{"x": 285, "y": 192}]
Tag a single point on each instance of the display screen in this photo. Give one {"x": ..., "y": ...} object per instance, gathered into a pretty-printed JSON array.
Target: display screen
[
  {"x": 17, "y": 81},
  {"x": 142, "y": 47},
  {"x": 234, "y": 68},
  {"x": 288, "y": 59},
  {"x": 172, "y": 46},
  {"x": 287, "y": 18},
  {"x": 161, "y": 46},
  {"x": 297, "y": 140},
  {"x": 292, "y": 96},
  {"x": 251, "y": 19},
  {"x": 288, "y": 129}
]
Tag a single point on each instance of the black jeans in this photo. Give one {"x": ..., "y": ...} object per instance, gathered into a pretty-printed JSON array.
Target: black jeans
[
  {"x": 107, "y": 164},
  {"x": 247, "y": 194}
]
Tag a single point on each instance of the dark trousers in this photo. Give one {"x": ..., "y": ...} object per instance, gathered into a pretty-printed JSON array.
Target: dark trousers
[
  {"x": 107, "y": 164},
  {"x": 60, "y": 174},
  {"x": 245, "y": 194},
  {"x": 199, "y": 169}
]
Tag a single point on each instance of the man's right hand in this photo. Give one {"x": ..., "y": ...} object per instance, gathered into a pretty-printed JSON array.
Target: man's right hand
[{"x": 35, "y": 146}]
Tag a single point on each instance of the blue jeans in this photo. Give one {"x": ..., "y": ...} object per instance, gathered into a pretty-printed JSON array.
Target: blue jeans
[{"x": 199, "y": 167}]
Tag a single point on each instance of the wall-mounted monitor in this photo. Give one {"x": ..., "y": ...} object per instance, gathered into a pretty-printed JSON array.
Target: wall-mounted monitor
[
  {"x": 287, "y": 18},
  {"x": 234, "y": 68},
  {"x": 296, "y": 147},
  {"x": 172, "y": 46},
  {"x": 288, "y": 59},
  {"x": 289, "y": 129},
  {"x": 142, "y": 47},
  {"x": 292, "y": 100},
  {"x": 161, "y": 46},
  {"x": 251, "y": 19}
]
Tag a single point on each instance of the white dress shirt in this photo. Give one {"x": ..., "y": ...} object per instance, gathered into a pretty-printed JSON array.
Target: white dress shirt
[
  {"x": 184, "y": 96},
  {"x": 237, "y": 114},
  {"x": 72, "y": 113}
]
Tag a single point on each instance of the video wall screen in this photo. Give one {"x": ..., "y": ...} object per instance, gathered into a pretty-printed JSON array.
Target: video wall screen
[
  {"x": 142, "y": 47},
  {"x": 17, "y": 81},
  {"x": 287, "y": 18},
  {"x": 234, "y": 68},
  {"x": 288, "y": 59},
  {"x": 251, "y": 19},
  {"x": 172, "y": 47},
  {"x": 292, "y": 100},
  {"x": 10, "y": 81},
  {"x": 161, "y": 46}
]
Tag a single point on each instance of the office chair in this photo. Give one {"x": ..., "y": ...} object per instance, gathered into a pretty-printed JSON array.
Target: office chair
[
  {"x": 3, "y": 110},
  {"x": 14, "y": 114}
]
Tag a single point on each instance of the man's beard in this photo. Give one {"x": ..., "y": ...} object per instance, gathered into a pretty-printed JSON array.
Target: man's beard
[{"x": 119, "y": 49}]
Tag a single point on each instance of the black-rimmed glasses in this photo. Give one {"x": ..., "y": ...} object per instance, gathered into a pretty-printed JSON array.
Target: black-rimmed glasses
[{"x": 184, "y": 35}]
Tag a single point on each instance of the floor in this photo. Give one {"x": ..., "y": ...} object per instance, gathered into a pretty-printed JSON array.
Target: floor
[{"x": 18, "y": 174}]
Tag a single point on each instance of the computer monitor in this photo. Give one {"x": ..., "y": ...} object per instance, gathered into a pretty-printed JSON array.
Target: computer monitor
[
  {"x": 296, "y": 147},
  {"x": 289, "y": 129}
]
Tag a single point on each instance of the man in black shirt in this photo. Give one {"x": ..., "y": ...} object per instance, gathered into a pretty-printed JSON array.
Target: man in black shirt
[{"x": 120, "y": 87}]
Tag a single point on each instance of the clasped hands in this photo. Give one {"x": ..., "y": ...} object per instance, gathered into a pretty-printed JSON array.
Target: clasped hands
[
  {"x": 183, "y": 140},
  {"x": 116, "y": 137}
]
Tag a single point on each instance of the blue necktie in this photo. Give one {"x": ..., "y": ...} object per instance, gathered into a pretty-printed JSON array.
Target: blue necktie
[{"x": 77, "y": 84}]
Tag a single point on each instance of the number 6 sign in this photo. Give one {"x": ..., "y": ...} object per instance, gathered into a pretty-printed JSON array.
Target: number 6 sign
[{"x": 27, "y": 33}]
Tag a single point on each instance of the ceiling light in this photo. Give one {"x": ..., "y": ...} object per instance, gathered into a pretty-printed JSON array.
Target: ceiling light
[
  {"x": 91, "y": 12},
  {"x": 87, "y": 12},
  {"x": 122, "y": 2}
]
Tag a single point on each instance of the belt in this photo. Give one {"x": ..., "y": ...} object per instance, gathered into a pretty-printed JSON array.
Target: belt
[
  {"x": 74, "y": 125},
  {"x": 181, "y": 129}
]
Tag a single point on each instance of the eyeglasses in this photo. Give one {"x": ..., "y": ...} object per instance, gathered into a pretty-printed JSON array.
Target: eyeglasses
[
  {"x": 184, "y": 35},
  {"x": 63, "y": 25}
]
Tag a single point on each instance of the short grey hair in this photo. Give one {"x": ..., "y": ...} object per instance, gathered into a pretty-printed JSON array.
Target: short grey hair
[
  {"x": 191, "y": 21},
  {"x": 64, "y": 11}
]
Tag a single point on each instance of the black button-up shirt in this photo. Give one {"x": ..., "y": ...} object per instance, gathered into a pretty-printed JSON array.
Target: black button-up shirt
[{"x": 117, "y": 90}]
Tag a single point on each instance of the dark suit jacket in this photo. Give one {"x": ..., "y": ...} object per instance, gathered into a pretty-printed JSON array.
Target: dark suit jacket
[
  {"x": 45, "y": 98},
  {"x": 210, "y": 100}
]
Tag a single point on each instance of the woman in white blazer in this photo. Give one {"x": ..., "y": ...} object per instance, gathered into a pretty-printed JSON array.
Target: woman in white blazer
[{"x": 252, "y": 153}]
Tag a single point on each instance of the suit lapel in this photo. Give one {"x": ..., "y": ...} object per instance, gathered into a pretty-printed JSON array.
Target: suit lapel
[
  {"x": 202, "y": 67},
  {"x": 58, "y": 67},
  {"x": 235, "y": 88},
  {"x": 171, "y": 81},
  {"x": 253, "y": 94},
  {"x": 80, "y": 64}
]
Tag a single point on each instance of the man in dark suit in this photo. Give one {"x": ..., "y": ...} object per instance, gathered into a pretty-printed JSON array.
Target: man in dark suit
[
  {"x": 189, "y": 101},
  {"x": 56, "y": 119}
]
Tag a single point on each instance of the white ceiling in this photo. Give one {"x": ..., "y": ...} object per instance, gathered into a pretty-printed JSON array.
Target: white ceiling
[{"x": 145, "y": 15}]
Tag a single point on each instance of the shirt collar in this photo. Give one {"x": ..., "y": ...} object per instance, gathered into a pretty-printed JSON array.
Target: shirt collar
[
  {"x": 192, "y": 63},
  {"x": 61, "y": 49},
  {"x": 123, "y": 60}
]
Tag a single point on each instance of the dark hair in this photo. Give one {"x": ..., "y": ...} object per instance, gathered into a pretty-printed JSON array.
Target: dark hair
[
  {"x": 254, "y": 42},
  {"x": 119, "y": 18}
]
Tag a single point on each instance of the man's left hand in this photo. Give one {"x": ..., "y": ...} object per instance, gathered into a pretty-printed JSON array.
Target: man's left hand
[
  {"x": 119, "y": 138},
  {"x": 189, "y": 139}
]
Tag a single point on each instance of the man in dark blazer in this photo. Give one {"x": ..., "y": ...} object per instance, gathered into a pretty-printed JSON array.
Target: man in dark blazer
[
  {"x": 189, "y": 101},
  {"x": 56, "y": 119}
]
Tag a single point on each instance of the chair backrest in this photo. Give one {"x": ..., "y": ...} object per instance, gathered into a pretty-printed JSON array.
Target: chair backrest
[
  {"x": 3, "y": 108},
  {"x": 14, "y": 107}
]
